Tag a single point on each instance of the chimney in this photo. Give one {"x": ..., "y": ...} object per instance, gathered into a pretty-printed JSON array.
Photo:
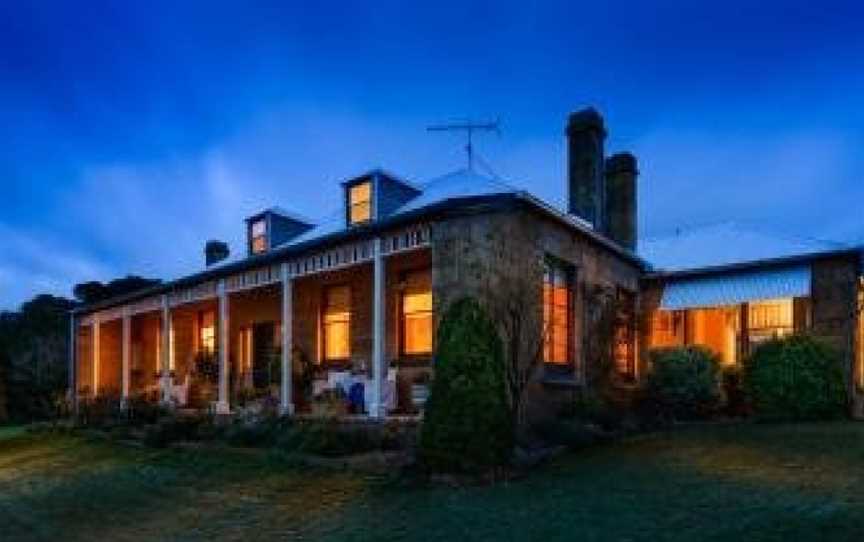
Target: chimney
[
  {"x": 621, "y": 226},
  {"x": 585, "y": 137},
  {"x": 215, "y": 252}
]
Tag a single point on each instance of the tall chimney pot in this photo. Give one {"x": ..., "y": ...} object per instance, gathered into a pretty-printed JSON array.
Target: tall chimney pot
[
  {"x": 215, "y": 252},
  {"x": 621, "y": 206},
  {"x": 586, "y": 134}
]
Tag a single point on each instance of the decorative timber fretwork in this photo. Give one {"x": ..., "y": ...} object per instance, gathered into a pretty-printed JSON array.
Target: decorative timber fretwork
[
  {"x": 346, "y": 255},
  {"x": 198, "y": 292}
]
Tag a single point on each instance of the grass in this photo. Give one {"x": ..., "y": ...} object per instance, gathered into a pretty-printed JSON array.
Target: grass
[{"x": 748, "y": 482}]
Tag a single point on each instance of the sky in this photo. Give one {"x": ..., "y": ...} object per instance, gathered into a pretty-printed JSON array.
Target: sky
[{"x": 132, "y": 132}]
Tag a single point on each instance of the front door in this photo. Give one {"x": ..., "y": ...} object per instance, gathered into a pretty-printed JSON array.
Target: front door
[{"x": 264, "y": 355}]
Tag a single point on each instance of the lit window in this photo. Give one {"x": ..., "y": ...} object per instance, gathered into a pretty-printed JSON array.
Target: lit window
[
  {"x": 416, "y": 314},
  {"x": 259, "y": 236},
  {"x": 207, "y": 331},
  {"x": 667, "y": 329},
  {"x": 770, "y": 319},
  {"x": 336, "y": 323},
  {"x": 360, "y": 203},
  {"x": 557, "y": 308},
  {"x": 624, "y": 349}
]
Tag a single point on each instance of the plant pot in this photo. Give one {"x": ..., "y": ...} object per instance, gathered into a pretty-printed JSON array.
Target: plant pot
[{"x": 419, "y": 395}]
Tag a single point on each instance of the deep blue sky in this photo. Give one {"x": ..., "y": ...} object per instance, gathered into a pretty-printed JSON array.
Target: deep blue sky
[{"x": 133, "y": 131}]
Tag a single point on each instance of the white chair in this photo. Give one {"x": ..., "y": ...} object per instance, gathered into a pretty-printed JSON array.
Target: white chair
[
  {"x": 180, "y": 393},
  {"x": 339, "y": 379}
]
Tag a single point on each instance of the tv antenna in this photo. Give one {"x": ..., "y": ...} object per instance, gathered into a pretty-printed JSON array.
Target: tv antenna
[{"x": 469, "y": 128}]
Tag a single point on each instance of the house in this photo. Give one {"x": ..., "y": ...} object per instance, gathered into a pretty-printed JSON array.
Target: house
[
  {"x": 729, "y": 288},
  {"x": 350, "y": 301}
]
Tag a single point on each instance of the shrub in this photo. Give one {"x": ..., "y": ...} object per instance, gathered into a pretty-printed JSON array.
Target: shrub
[
  {"x": 467, "y": 425},
  {"x": 795, "y": 378},
  {"x": 684, "y": 383},
  {"x": 737, "y": 403}
]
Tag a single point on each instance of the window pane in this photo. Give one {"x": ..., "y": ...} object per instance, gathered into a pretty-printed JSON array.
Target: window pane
[
  {"x": 259, "y": 228},
  {"x": 208, "y": 331},
  {"x": 418, "y": 334},
  {"x": 421, "y": 301},
  {"x": 336, "y": 340},
  {"x": 259, "y": 244},
  {"x": 416, "y": 313},
  {"x": 361, "y": 212},
  {"x": 360, "y": 203},
  {"x": 337, "y": 322},
  {"x": 557, "y": 298},
  {"x": 361, "y": 192}
]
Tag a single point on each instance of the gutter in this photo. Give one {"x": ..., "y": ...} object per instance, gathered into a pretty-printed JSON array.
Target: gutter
[
  {"x": 857, "y": 252},
  {"x": 449, "y": 207}
]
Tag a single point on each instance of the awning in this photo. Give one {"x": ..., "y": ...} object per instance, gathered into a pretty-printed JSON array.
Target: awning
[{"x": 735, "y": 288}]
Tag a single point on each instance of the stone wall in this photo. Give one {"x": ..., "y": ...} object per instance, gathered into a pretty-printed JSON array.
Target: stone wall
[
  {"x": 834, "y": 314},
  {"x": 483, "y": 255}
]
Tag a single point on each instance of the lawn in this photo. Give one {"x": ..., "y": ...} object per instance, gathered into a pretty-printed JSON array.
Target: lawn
[{"x": 701, "y": 483}]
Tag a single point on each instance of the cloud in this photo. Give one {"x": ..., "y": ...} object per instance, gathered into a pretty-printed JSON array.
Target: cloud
[{"x": 32, "y": 264}]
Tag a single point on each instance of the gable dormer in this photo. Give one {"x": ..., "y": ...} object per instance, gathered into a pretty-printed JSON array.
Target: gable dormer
[
  {"x": 375, "y": 196},
  {"x": 271, "y": 228}
]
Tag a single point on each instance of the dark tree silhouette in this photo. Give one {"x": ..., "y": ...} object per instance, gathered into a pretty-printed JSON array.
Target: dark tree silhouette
[{"x": 95, "y": 291}]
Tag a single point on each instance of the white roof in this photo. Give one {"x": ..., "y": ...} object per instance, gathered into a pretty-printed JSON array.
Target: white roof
[
  {"x": 459, "y": 184},
  {"x": 726, "y": 244},
  {"x": 463, "y": 183}
]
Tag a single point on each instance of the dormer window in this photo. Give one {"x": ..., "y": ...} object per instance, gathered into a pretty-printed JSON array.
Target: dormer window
[
  {"x": 258, "y": 236},
  {"x": 272, "y": 228},
  {"x": 360, "y": 203}
]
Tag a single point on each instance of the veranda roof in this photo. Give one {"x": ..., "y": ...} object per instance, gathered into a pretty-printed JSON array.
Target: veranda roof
[{"x": 737, "y": 287}]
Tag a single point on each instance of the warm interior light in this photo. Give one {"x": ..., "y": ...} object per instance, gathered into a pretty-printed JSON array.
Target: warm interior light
[
  {"x": 360, "y": 202},
  {"x": 207, "y": 331},
  {"x": 259, "y": 236},
  {"x": 337, "y": 323},
  {"x": 417, "y": 313},
  {"x": 556, "y": 315}
]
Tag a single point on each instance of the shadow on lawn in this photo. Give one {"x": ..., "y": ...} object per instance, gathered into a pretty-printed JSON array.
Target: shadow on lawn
[{"x": 71, "y": 489}]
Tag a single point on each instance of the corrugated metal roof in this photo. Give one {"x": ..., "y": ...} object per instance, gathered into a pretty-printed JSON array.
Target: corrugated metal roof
[
  {"x": 727, "y": 244},
  {"x": 735, "y": 288}
]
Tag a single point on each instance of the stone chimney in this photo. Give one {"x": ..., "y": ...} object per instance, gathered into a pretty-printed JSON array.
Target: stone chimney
[
  {"x": 586, "y": 182},
  {"x": 621, "y": 211},
  {"x": 215, "y": 252}
]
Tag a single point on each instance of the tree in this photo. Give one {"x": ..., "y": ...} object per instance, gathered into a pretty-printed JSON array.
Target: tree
[
  {"x": 95, "y": 291},
  {"x": 34, "y": 356},
  {"x": 466, "y": 427}
]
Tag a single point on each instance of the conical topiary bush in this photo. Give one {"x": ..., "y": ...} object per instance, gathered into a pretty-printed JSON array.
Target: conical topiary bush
[{"x": 467, "y": 426}]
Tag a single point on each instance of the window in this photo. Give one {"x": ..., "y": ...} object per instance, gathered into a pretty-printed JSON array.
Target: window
[
  {"x": 624, "y": 347},
  {"x": 259, "y": 236},
  {"x": 770, "y": 319},
  {"x": 360, "y": 203},
  {"x": 207, "y": 331},
  {"x": 415, "y": 312},
  {"x": 557, "y": 311},
  {"x": 336, "y": 323}
]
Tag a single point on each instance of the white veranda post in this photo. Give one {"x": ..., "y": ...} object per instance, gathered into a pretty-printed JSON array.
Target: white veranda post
[
  {"x": 95, "y": 352},
  {"x": 378, "y": 409},
  {"x": 223, "y": 405},
  {"x": 126, "y": 347},
  {"x": 287, "y": 401},
  {"x": 165, "y": 350}
]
